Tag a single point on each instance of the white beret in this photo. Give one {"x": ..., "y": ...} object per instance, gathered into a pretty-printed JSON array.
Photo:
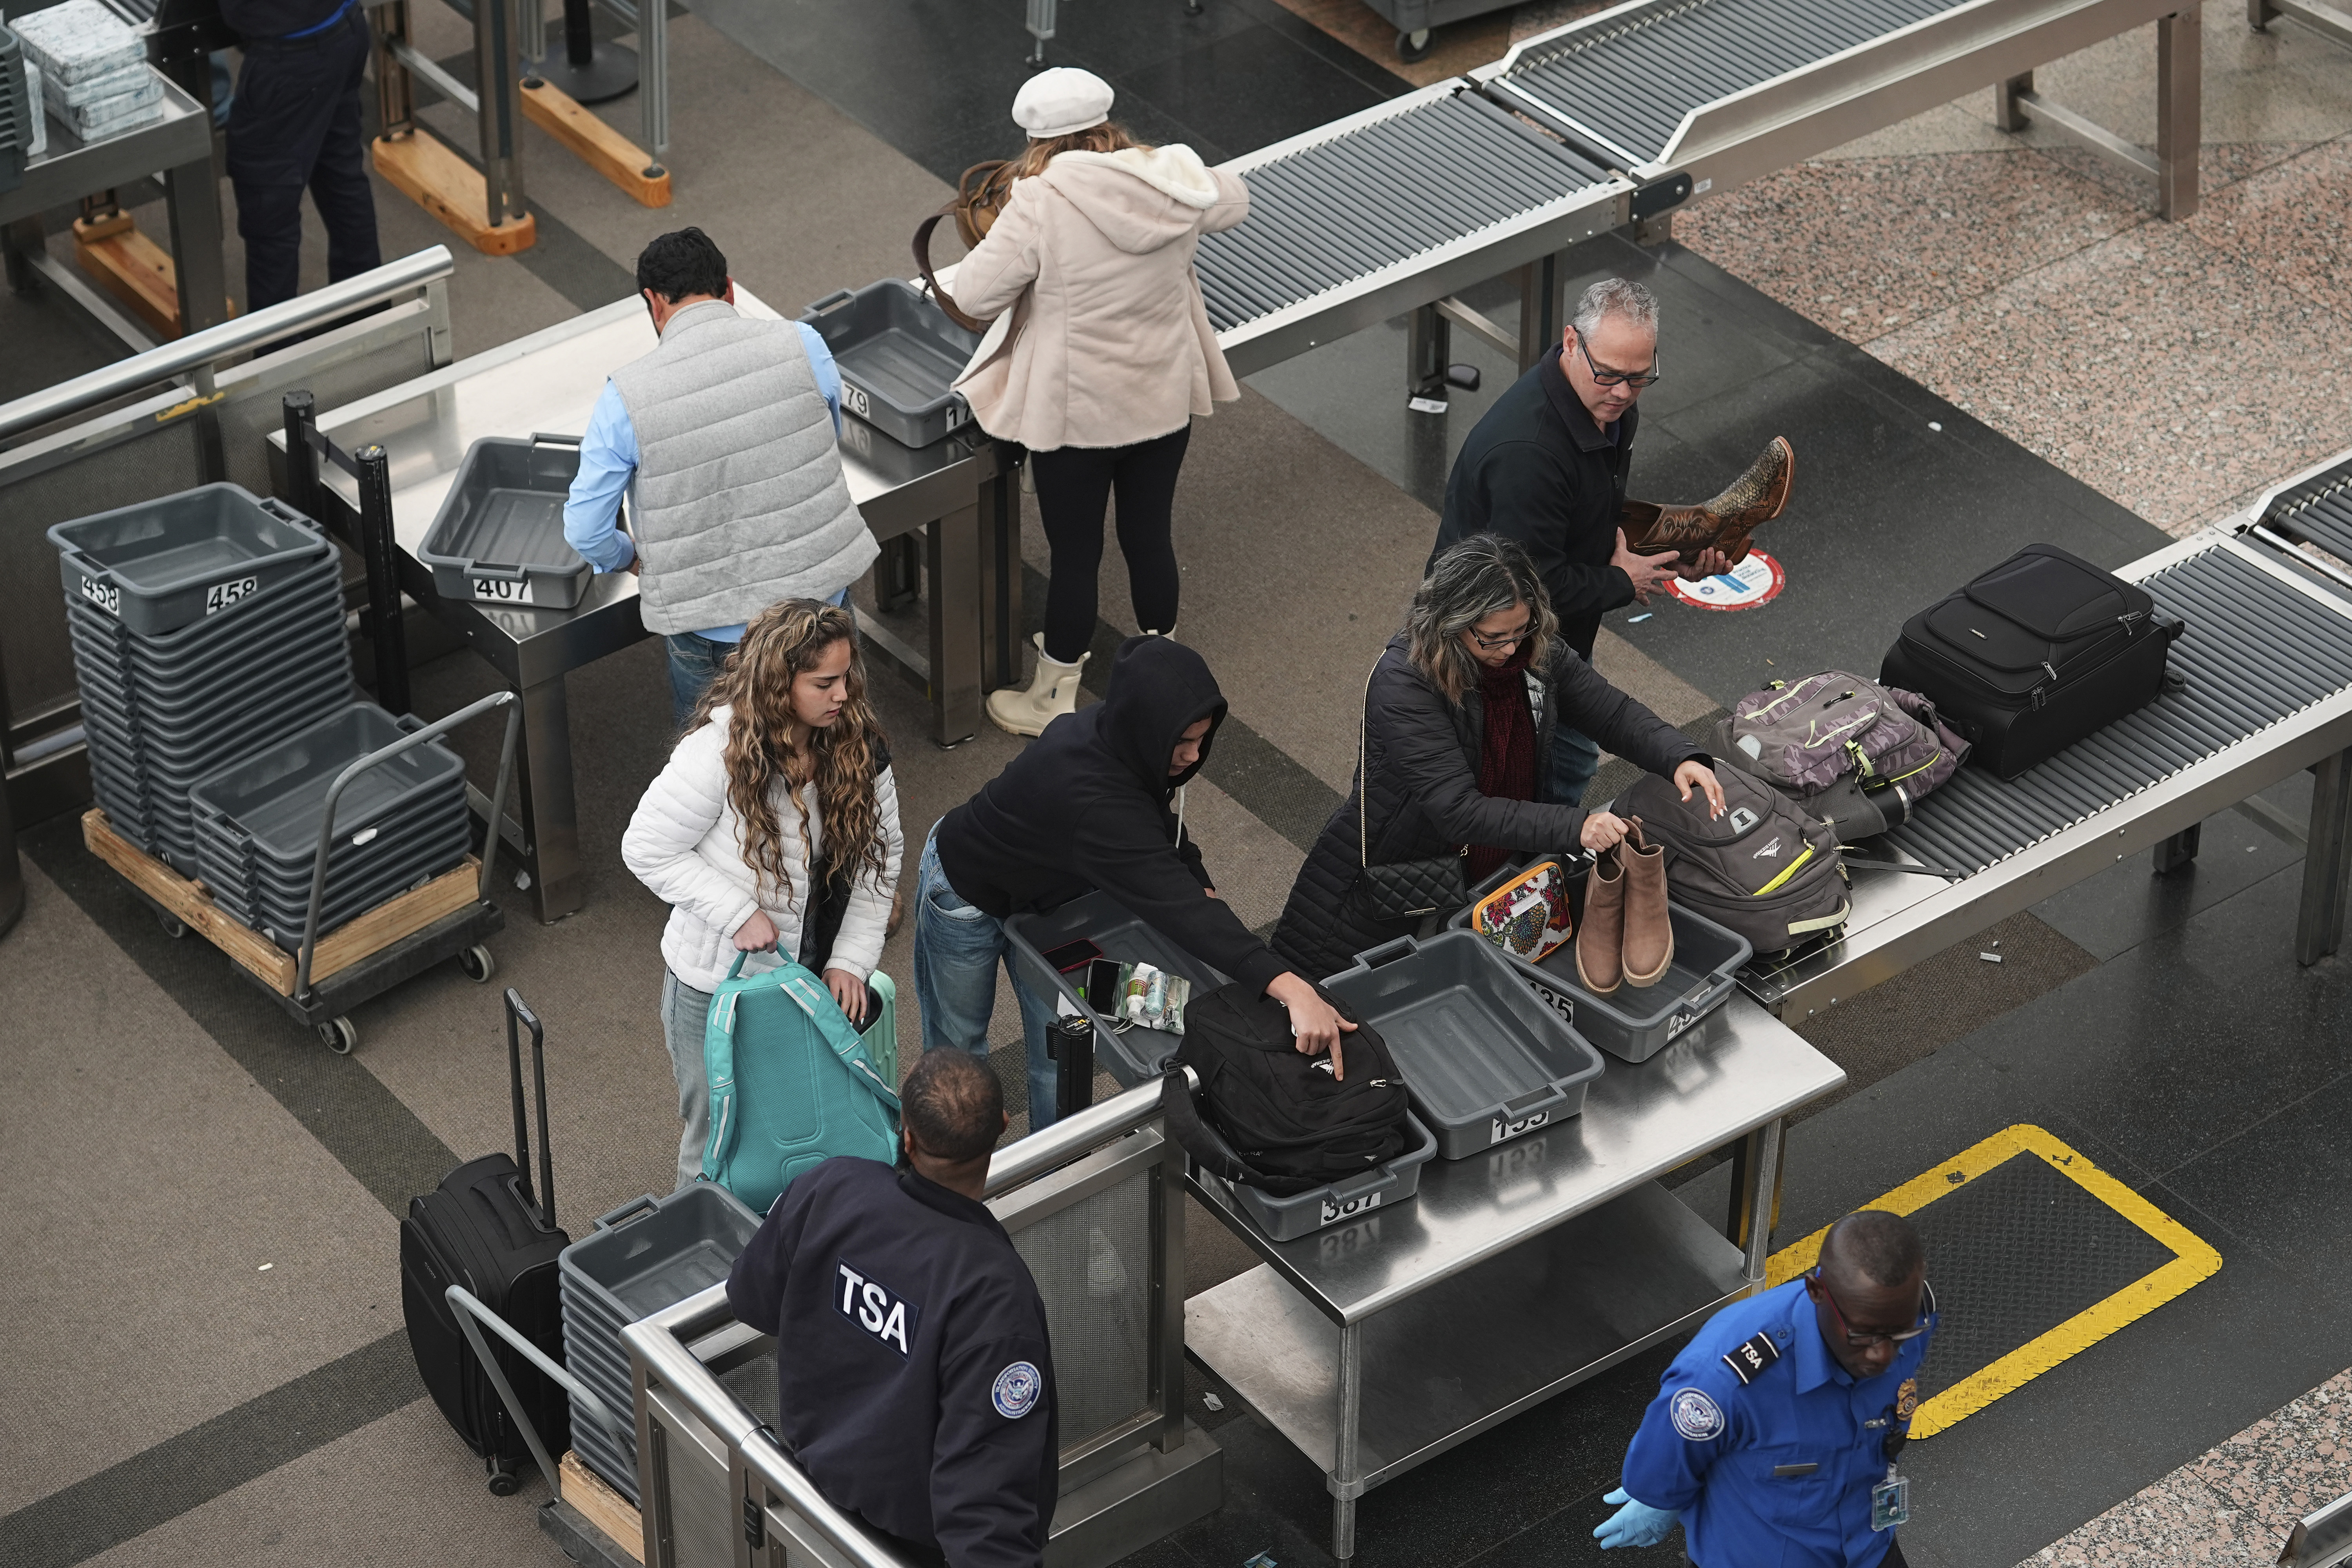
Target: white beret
[{"x": 1059, "y": 101}]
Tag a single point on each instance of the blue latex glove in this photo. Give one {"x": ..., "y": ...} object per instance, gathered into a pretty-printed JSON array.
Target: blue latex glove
[{"x": 1635, "y": 1524}]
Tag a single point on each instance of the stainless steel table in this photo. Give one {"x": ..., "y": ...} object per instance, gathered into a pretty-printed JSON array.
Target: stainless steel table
[
  {"x": 1379, "y": 1346},
  {"x": 181, "y": 146},
  {"x": 960, "y": 491}
]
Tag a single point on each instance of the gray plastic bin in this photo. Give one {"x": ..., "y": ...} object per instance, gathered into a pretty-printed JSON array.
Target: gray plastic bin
[
  {"x": 1131, "y": 1055},
  {"x": 1484, "y": 1060},
  {"x": 898, "y": 356},
  {"x": 161, "y": 565},
  {"x": 1631, "y": 1024},
  {"x": 313, "y": 595},
  {"x": 276, "y": 797},
  {"x": 644, "y": 1256},
  {"x": 1383, "y": 1187},
  {"x": 499, "y": 536}
]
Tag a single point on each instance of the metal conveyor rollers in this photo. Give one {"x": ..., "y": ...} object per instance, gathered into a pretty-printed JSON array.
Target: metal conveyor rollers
[
  {"x": 2232, "y": 608},
  {"x": 1335, "y": 211},
  {"x": 2318, "y": 508}
]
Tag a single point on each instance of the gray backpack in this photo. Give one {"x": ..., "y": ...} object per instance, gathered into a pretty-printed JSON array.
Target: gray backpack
[
  {"x": 1845, "y": 751},
  {"x": 1760, "y": 869}
]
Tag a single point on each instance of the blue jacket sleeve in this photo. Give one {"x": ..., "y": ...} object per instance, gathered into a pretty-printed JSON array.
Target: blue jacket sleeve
[
  {"x": 993, "y": 1468},
  {"x": 828, "y": 374},
  {"x": 608, "y": 461},
  {"x": 755, "y": 1286},
  {"x": 1693, "y": 1422}
]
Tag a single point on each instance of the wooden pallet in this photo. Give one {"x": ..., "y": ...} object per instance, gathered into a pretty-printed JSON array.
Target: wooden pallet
[
  {"x": 596, "y": 143},
  {"x": 339, "y": 949},
  {"x": 425, "y": 171},
  {"x": 602, "y": 1506}
]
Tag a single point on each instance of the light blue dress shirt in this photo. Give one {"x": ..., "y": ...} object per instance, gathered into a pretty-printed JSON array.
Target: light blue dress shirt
[{"x": 608, "y": 466}]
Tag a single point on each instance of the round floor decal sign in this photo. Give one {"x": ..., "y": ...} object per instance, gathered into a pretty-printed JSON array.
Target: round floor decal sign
[{"x": 1754, "y": 580}]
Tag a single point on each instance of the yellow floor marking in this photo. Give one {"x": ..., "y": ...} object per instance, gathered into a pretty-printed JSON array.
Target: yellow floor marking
[{"x": 2193, "y": 1260}]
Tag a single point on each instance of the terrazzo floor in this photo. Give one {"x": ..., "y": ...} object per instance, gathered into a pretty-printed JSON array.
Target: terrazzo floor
[
  {"x": 2180, "y": 368},
  {"x": 2235, "y": 1505}
]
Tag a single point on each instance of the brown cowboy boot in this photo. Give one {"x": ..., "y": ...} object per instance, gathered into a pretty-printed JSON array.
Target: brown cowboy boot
[
  {"x": 1599, "y": 935},
  {"x": 1649, "y": 947},
  {"x": 1757, "y": 497}
]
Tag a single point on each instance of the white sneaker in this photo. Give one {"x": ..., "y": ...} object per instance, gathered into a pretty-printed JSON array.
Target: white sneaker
[{"x": 1051, "y": 691}]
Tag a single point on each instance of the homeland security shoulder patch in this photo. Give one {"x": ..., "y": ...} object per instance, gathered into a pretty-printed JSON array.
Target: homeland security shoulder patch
[
  {"x": 1016, "y": 1390},
  {"x": 1695, "y": 1415}
]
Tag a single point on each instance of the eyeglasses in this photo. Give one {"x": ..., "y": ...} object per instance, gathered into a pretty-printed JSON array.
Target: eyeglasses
[
  {"x": 1489, "y": 645},
  {"x": 1865, "y": 1342},
  {"x": 1617, "y": 377}
]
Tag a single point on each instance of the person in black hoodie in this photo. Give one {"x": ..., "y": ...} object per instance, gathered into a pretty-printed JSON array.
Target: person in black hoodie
[{"x": 1088, "y": 807}]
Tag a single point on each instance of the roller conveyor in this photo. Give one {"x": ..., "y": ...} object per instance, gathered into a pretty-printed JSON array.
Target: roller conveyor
[
  {"x": 2231, "y": 606},
  {"x": 1620, "y": 118},
  {"x": 2265, "y": 692},
  {"x": 2315, "y": 509}
]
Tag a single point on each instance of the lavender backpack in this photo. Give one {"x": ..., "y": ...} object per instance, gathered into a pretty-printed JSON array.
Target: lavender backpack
[{"x": 1845, "y": 751}]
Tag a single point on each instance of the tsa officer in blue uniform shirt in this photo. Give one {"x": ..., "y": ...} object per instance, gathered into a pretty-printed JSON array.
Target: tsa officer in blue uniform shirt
[
  {"x": 1774, "y": 1434},
  {"x": 915, "y": 1384}
]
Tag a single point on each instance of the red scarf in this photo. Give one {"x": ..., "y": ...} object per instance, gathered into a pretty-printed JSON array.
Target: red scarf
[{"x": 1507, "y": 758}]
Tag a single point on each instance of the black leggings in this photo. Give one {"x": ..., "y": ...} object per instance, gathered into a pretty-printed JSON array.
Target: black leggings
[{"x": 1074, "y": 485}]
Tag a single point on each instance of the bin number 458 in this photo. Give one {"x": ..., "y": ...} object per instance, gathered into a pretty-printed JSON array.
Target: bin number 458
[{"x": 221, "y": 596}]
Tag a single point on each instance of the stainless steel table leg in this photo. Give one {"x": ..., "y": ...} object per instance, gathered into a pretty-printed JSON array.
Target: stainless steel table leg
[
  {"x": 2179, "y": 84},
  {"x": 2327, "y": 861},
  {"x": 955, "y": 614},
  {"x": 1000, "y": 582},
  {"x": 550, "y": 815},
  {"x": 1755, "y": 1196},
  {"x": 192, "y": 195},
  {"x": 1346, "y": 1462}
]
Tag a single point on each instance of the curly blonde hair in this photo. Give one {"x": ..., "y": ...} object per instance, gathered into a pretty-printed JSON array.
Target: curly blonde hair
[{"x": 785, "y": 642}]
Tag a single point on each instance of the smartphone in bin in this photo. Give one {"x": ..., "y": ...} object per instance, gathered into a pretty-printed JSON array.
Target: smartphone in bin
[
  {"x": 1102, "y": 985},
  {"x": 1071, "y": 955}
]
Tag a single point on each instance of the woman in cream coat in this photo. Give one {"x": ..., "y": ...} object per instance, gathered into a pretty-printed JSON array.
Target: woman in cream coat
[
  {"x": 1100, "y": 355},
  {"x": 783, "y": 763}
]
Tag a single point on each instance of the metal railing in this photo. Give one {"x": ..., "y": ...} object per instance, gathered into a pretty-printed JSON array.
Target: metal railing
[
  {"x": 715, "y": 1486},
  {"x": 2321, "y": 1539}
]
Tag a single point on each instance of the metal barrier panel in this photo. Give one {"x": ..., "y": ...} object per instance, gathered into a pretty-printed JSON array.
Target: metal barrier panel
[{"x": 1092, "y": 1264}]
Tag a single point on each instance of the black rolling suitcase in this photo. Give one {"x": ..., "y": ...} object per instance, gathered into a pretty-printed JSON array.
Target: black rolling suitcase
[
  {"x": 481, "y": 1229},
  {"x": 2034, "y": 655}
]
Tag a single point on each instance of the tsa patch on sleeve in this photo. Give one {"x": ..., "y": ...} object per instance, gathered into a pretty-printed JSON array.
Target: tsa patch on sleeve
[
  {"x": 1016, "y": 1390},
  {"x": 1695, "y": 1415}
]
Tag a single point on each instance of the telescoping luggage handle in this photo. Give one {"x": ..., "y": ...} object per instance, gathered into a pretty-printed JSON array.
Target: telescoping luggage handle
[
  {"x": 518, "y": 1013},
  {"x": 439, "y": 727}
]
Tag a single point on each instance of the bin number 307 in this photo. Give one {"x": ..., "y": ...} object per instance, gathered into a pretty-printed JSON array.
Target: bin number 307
[{"x": 221, "y": 596}]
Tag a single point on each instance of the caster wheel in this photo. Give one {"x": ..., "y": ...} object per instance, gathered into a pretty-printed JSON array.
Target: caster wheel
[
  {"x": 477, "y": 963},
  {"x": 1412, "y": 48},
  {"x": 173, "y": 926},
  {"x": 339, "y": 1035},
  {"x": 503, "y": 1485}
]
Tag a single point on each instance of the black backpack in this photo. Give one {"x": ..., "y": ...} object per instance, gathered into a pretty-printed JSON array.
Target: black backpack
[
  {"x": 1278, "y": 1120},
  {"x": 1761, "y": 869}
]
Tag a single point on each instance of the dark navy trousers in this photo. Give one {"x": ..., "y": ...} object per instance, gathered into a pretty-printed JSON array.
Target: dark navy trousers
[{"x": 295, "y": 124}]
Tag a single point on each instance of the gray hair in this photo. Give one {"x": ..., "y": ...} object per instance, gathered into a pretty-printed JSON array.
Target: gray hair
[
  {"x": 1619, "y": 297},
  {"x": 1483, "y": 576}
]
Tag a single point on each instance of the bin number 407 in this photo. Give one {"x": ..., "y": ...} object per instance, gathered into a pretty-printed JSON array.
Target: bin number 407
[{"x": 221, "y": 596}]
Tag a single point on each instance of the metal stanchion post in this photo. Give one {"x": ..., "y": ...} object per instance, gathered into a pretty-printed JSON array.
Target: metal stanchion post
[
  {"x": 301, "y": 463},
  {"x": 1073, "y": 1066},
  {"x": 389, "y": 634}
]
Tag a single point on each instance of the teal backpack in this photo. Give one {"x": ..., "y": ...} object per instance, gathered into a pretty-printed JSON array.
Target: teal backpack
[{"x": 792, "y": 1081}]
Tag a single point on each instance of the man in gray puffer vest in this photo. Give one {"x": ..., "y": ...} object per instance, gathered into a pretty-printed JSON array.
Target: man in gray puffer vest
[{"x": 725, "y": 437}]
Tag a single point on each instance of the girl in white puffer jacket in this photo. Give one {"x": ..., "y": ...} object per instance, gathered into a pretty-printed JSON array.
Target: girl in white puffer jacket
[{"x": 783, "y": 766}]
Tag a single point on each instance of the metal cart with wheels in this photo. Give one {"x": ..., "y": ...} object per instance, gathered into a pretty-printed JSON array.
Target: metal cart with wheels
[{"x": 329, "y": 974}]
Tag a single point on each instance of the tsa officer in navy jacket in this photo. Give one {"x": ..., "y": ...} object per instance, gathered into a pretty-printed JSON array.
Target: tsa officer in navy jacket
[
  {"x": 295, "y": 122},
  {"x": 915, "y": 1386},
  {"x": 1774, "y": 1434}
]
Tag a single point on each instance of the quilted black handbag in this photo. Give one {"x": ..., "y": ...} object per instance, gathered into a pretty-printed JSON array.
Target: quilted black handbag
[{"x": 1400, "y": 890}]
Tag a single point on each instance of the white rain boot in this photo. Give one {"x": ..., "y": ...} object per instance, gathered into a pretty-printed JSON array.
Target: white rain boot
[{"x": 1052, "y": 692}]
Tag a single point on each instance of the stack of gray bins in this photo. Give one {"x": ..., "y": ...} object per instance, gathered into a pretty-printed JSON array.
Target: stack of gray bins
[
  {"x": 642, "y": 1256},
  {"x": 398, "y": 826},
  {"x": 206, "y": 627},
  {"x": 94, "y": 76}
]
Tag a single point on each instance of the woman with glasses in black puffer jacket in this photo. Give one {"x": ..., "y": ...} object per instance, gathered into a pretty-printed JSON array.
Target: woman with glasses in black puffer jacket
[{"x": 1458, "y": 716}]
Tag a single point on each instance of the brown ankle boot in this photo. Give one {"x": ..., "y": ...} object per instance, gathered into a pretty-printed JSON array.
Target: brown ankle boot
[
  {"x": 1648, "y": 943},
  {"x": 1599, "y": 935},
  {"x": 1754, "y": 498}
]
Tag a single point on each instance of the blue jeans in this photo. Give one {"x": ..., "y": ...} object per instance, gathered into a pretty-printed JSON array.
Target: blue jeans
[
  {"x": 694, "y": 661},
  {"x": 957, "y": 949},
  {"x": 1575, "y": 758}
]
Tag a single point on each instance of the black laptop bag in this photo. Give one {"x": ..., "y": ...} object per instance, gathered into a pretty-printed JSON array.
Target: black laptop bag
[
  {"x": 2033, "y": 655},
  {"x": 483, "y": 1229}
]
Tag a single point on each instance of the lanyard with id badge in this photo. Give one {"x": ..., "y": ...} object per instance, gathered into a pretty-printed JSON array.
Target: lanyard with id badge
[{"x": 1890, "y": 1499}]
